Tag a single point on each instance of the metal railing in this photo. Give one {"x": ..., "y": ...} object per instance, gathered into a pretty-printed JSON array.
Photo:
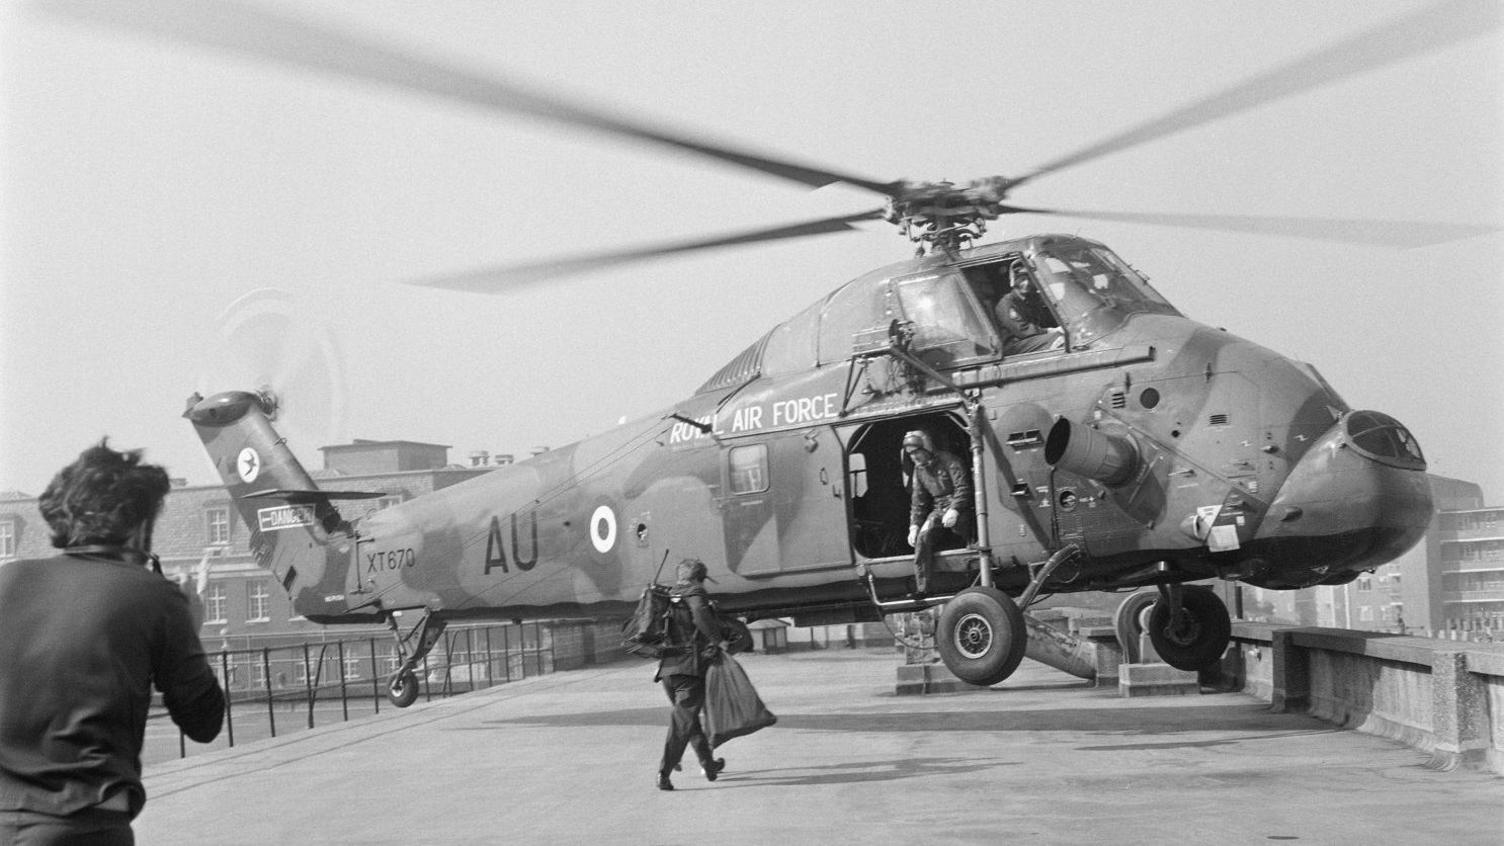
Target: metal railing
[{"x": 274, "y": 689}]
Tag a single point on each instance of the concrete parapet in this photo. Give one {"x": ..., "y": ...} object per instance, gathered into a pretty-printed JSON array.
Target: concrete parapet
[
  {"x": 1156, "y": 680},
  {"x": 918, "y": 679},
  {"x": 1442, "y": 697}
]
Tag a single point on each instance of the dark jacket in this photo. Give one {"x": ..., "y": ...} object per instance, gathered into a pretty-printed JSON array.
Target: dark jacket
[
  {"x": 693, "y": 628},
  {"x": 944, "y": 483},
  {"x": 82, "y": 642}
]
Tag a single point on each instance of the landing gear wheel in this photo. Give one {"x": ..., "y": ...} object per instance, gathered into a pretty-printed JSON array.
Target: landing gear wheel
[
  {"x": 1197, "y": 639},
  {"x": 402, "y": 688},
  {"x": 981, "y": 635}
]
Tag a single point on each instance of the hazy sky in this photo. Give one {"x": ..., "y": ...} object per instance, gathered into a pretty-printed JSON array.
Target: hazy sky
[{"x": 146, "y": 186}]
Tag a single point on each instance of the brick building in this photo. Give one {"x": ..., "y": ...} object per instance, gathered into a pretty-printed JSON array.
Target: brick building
[
  {"x": 200, "y": 532},
  {"x": 1452, "y": 580}
]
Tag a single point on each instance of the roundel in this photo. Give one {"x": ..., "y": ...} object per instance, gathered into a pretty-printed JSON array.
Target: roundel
[
  {"x": 603, "y": 529},
  {"x": 248, "y": 465}
]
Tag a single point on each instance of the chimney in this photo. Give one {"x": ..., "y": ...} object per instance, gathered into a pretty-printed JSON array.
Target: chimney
[
  {"x": 480, "y": 458},
  {"x": 505, "y": 458}
]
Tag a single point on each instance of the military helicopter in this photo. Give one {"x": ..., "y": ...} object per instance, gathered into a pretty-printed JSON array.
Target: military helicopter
[{"x": 1116, "y": 445}]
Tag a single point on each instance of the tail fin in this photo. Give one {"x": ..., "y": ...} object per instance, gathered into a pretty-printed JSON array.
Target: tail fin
[{"x": 295, "y": 528}]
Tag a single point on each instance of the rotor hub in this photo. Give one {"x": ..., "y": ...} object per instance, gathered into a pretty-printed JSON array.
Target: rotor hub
[{"x": 941, "y": 215}]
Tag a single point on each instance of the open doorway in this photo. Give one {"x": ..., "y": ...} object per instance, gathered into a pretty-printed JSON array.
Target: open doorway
[{"x": 879, "y": 481}]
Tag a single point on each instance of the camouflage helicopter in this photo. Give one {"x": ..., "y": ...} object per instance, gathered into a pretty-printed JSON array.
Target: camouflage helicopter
[{"x": 1127, "y": 446}]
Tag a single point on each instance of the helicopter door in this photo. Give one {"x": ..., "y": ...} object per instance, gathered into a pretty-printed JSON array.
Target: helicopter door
[
  {"x": 751, "y": 529},
  {"x": 785, "y": 507},
  {"x": 809, "y": 494}
]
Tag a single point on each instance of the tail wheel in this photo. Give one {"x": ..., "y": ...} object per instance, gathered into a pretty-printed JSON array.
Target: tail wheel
[
  {"x": 981, "y": 635},
  {"x": 1196, "y": 638},
  {"x": 402, "y": 688}
]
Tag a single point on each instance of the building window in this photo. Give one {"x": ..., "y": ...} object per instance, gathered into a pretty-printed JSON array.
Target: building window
[
  {"x": 216, "y": 600},
  {"x": 388, "y": 502},
  {"x": 1366, "y": 613},
  {"x": 749, "y": 468},
  {"x": 1365, "y": 583},
  {"x": 218, "y": 521},
  {"x": 258, "y": 603},
  {"x": 7, "y": 539}
]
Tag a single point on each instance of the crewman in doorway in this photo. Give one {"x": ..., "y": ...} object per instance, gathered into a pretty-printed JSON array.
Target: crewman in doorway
[{"x": 940, "y": 501}]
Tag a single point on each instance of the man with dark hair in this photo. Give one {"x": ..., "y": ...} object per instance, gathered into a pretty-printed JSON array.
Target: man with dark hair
[
  {"x": 695, "y": 633},
  {"x": 83, "y": 638}
]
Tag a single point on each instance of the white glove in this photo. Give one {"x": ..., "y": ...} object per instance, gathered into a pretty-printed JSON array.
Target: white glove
[
  {"x": 913, "y": 534},
  {"x": 950, "y": 518}
]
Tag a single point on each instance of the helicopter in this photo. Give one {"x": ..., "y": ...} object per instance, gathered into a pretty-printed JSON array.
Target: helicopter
[{"x": 1137, "y": 448}]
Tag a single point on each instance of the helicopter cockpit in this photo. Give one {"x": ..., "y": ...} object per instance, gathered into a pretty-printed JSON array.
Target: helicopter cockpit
[
  {"x": 1043, "y": 296},
  {"x": 1091, "y": 290}
]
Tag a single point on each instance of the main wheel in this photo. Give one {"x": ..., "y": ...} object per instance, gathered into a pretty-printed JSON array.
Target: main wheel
[
  {"x": 402, "y": 688},
  {"x": 981, "y": 635},
  {"x": 1198, "y": 640}
]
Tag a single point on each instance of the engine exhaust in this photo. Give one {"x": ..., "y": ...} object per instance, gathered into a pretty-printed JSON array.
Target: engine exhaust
[{"x": 1087, "y": 452}]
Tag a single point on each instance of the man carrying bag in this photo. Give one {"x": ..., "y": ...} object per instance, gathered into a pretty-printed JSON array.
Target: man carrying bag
[{"x": 695, "y": 635}]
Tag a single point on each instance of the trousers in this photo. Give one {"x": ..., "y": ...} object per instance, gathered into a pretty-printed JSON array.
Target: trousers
[
  {"x": 85, "y": 828},
  {"x": 687, "y": 695}
]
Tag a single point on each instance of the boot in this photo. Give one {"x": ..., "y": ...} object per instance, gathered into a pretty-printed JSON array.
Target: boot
[
  {"x": 663, "y": 782},
  {"x": 712, "y": 768}
]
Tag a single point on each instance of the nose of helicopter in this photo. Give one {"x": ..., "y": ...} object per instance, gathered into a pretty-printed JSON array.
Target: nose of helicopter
[{"x": 1357, "y": 499}]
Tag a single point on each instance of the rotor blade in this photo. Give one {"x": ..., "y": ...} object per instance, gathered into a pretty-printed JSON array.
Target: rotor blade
[
  {"x": 263, "y": 34},
  {"x": 1391, "y": 233},
  {"x": 499, "y": 279},
  {"x": 1425, "y": 31}
]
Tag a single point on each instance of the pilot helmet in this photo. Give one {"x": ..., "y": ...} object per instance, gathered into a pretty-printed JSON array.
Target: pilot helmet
[{"x": 918, "y": 438}]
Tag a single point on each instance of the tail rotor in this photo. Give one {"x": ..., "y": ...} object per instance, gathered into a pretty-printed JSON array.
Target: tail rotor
[{"x": 272, "y": 342}]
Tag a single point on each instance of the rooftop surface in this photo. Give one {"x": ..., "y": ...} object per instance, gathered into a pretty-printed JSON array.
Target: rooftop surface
[{"x": 1042, "y": 758}]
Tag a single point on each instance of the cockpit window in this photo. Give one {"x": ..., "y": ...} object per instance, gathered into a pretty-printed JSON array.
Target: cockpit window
[
  {"x": 1384, "y": 439},
  {"x": 1093, "y": 289},
  {"x": 946, "y": 324}
]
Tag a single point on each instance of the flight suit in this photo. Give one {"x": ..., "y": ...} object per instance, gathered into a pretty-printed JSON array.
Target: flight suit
[{"x": 940, "y": 485}]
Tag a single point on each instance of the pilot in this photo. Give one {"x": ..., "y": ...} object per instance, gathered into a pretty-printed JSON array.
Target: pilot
[
  {"x": 1023, "y": 317},
  {"x": 84, "y": 637},
  {"x": 697, "y": 633},
  {"x": 940, "y": 501}
]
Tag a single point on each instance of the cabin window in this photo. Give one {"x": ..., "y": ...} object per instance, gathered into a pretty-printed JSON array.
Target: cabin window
[
  {"x": 856, "y": 308},
  {"x": 749, "y": 469},
  {"x": 7, "y": 539},
  {"x": 791, "y": 346},
  {"x": 946, "y": 321}
]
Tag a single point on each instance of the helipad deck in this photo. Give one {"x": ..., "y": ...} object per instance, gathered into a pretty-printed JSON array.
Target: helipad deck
[{"x": 1042, "y": 758}]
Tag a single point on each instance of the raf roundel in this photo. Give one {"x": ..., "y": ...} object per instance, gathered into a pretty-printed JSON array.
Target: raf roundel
[
  {"x": 248, "y": 465},
  {"x": 603, "y": 529}
]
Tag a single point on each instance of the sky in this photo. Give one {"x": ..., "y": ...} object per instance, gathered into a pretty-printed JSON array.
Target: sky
[{"x": 160, "y": 201}]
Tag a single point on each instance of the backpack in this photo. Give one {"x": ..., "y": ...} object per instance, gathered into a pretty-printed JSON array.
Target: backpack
[{"x": 646, "y": 633}]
